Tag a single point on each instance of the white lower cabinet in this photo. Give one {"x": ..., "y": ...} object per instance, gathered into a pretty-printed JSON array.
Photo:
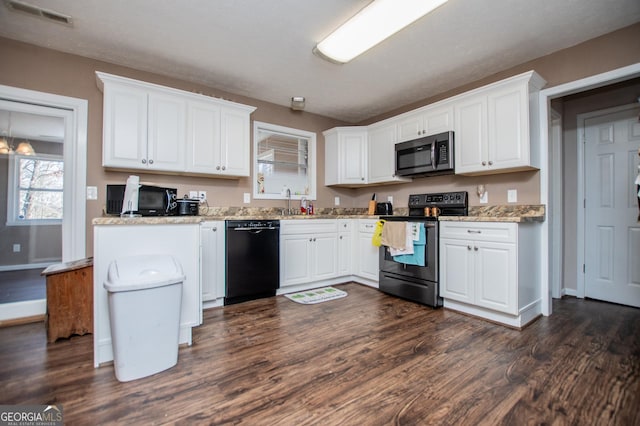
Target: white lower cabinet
[
  {"x": 308, "y": 251},
  {"x": 491, "y": 269},
  {"x": 345, "y": 246},
  {"x": 212, "y": 256},
  {"x": 367, "y": 260}
]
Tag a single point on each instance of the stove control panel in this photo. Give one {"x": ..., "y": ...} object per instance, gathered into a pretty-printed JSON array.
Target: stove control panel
[{"x": 443, "y": 199}]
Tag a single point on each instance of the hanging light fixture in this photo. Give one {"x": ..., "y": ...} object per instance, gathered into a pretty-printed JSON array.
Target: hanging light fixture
[
  {"x": 25, "y": 148},
  {"x": 376, "y": 22},
  {"x": 6, "y": 147}
]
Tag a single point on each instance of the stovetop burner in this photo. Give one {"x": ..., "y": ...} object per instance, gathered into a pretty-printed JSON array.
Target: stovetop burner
[{"x": 449, "y": 203}]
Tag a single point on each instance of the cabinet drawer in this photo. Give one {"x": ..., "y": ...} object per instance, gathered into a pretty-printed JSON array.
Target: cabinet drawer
[
  {"x": 308, "y": 226},
  {"x": 504, "y": 232},
  {"x": 367, "y": 226}
]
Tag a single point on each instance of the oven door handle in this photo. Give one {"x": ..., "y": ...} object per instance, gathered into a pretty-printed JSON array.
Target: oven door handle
[{"x": 433, "y": 155}]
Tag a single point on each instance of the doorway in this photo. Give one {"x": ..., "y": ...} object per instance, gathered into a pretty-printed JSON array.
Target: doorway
[
  {"x": 37, "y": 251},
  {"x": 611, "y": 156}
]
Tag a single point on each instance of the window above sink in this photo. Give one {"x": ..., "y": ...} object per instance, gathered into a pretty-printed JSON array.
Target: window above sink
[{"x": 283, "y": 159}]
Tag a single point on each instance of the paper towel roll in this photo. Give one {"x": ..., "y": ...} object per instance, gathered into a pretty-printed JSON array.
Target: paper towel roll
[{"x": 130, "y": 202}]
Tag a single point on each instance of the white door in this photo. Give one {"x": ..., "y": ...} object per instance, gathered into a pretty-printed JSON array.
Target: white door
[{"x": 612, "y": 229}]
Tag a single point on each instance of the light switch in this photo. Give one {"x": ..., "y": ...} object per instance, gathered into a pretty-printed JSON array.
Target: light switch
[
  {"x": 390, "y": 198},
  {"x": 512, "y": 196},
  {"x": 193, "y": 194},
  {"x": 92, "y": 192},
  {"x": 336, "y": 201},
  {"x": 485, "y": 198},
  {"x": 247, "y": 198}
]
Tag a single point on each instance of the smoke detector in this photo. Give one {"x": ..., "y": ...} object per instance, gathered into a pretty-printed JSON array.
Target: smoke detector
[{"x": 49, "y": 15}]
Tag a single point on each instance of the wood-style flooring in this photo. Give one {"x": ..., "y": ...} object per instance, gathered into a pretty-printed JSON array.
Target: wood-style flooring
[
  {"x": 366, "y": 359},
  {"x": 22, "y": 285}
]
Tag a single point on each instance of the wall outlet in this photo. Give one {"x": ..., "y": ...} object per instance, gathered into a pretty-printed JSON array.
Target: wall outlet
[
  {"x": 92, "y": 192},
  {"x": 193, "y": 195},
  {"x": 485, "y": 198},
  {"x": 16, "y": 248},
  {"x": 512, "y": 196},
  {"x": 202, "y": 195},
  {"x": 390, "y": 198},
  {"x": 247, "y": 198},
  {"x": 336, "y": 201}
]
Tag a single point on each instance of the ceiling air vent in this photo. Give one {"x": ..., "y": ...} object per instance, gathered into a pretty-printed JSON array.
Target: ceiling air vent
[{"x": 49, "y": 15}]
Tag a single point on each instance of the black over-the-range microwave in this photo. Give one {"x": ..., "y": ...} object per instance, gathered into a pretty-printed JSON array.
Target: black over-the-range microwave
[
  {"x": 152, "y": 200},
  {"x": 426, "y": 156}
]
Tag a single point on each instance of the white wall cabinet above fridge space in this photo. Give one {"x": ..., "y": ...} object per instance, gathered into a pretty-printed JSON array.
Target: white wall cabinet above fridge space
[
  {"x": 164, "y": 130},
  {"x": 496, "y": 127}
]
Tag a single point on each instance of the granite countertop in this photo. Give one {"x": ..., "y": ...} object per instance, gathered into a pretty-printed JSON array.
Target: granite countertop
[
  {"x": 518, "y": 214},
  {"x": 504, "y": 213}
]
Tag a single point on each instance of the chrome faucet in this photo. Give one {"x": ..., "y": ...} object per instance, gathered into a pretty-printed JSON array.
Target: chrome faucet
[{"x": 288, "y": 201}]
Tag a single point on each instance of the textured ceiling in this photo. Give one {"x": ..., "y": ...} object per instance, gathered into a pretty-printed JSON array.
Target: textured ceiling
[{"x": 262, "y": 49}]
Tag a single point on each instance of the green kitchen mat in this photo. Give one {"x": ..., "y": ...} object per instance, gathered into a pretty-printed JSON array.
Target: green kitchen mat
[{"x": 316, "y": 295}]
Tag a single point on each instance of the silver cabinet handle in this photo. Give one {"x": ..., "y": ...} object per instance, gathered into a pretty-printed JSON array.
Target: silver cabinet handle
[
  {"x": 224, "y": 167},
  {"x": 144, "y": 161},
  {"x": 214, "y": 229},
  {"x": 471, "y": 231},
  {"x": 217, "y": 167},
  {"x": 150, "y": 161},
  {"x": 491, "y": 163},
  {"x": 468, "y": 247},
  {"x": 340, "y": 236},
  {"x": 484, "y": 163},
  {"x": 475, "y": 248}
]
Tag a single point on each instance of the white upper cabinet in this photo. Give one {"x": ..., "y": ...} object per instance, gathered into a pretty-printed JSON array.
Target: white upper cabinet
[
  {"x": 496, "y": 126},
  {"x": 381, "y": 147},
  {"x": 346, "y": 156},
  {"x": 426, "y": 121},
  {"x": 155, "y": 128}
]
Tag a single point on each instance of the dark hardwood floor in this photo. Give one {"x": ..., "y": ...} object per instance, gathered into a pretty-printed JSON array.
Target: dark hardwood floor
[
  {"x": 367, "y": 359},
  {"x": 22, "y": 285}
]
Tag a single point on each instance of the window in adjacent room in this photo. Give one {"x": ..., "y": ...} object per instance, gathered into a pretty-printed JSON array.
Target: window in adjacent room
[{"x": 35, "y": 190}]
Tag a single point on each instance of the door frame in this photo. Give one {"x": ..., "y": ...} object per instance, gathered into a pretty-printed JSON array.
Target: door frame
[
  {"x": 547, "y": 187},
  {"x": 74, "y": 225},
  {"x": 581, "y": 211},
  {"x": 556, "y": 208}
]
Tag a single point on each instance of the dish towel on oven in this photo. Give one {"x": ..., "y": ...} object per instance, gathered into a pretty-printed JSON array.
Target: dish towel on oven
[
  {"x": 419, "y": 249},
  {"x": 394, "y": 235},
  {"x": 411, "y": 235}
]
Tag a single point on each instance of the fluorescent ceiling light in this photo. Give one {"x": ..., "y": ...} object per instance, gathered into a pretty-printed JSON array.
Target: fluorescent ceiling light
[{"x": 379, "y": 20}]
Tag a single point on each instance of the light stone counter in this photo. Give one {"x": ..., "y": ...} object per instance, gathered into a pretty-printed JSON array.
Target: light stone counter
[{"x": 518, "y": 214}]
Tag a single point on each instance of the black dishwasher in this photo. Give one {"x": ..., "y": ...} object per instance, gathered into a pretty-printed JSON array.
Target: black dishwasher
[{"x": 252, "y": 259}]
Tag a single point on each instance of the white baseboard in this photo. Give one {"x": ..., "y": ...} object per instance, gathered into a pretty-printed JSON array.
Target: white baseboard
[
  {"x": 16, "y": 310},
  {"x": 569, "y": 292}
]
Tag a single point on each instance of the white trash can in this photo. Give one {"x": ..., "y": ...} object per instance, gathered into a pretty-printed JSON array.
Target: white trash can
[{"x": 145, "y": 299}]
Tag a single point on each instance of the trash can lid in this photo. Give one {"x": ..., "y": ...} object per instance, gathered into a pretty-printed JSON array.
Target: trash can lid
[{"x": 143, "y": 271}]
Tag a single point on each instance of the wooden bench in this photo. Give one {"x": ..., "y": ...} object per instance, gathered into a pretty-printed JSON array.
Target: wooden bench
[{"x": 69, "y": 299}]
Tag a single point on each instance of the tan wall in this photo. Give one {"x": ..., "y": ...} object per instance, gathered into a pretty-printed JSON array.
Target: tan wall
[{"x": 35, "y": 68}]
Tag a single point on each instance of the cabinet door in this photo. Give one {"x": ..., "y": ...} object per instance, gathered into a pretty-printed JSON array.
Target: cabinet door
[
  {"x": 325, "y": 256},
  {"x": 234, "y": 142},
  {"x": 344, "y": 253},
  {"x": 295, "y": 257},
  {"x": 125, "y": 127},
  {"x": 366, "y": 253},
  {"x": 496, "y": 276},
  {"x": 203, "y": 138},
  {"x": 457, "y": 270},
  {"x": 438, "y": 120},
  {"x": 508, "y": 128},
  {"x": 411, "y": 127},
  {"x": 167, "y": 133},
  {"x": 382, "y": 167},
  {"x": 212, "y": 260},
  {"x": 471, "y": 134},
  {"x": 353, "y": 157}
]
